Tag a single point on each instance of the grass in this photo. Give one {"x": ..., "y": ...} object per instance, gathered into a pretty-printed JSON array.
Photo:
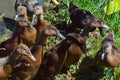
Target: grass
[{"x": 96, "y": 8}]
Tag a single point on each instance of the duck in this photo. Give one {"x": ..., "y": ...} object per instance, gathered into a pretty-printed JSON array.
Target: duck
[
  {"x": 54, "y": 57},
  {"x": 38, "y": 20},
  {"x": 22, "y": 33},
  {"x": 109, "y": 54},
  {"x": 27, "y": 31},
  {"x": 81, "y": 17},
  {"x": 74, "y": 51},
  {"x": 7, "y": 63},
  {"x": 27, "y": 72}
]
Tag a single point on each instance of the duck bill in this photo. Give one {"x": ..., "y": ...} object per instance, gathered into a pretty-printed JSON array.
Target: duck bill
[
  {"x": 31, "y": 57},
  {"x": 60, "y": 35},
  {"x": 16, "y": 16},
  {"x": 105, "y": 26},
  {"x": 34, "y": 15},
  {"x": 31, "y": 26},
  {"x": 103, "y": 56},
  {"x": 101, "y": 29}
]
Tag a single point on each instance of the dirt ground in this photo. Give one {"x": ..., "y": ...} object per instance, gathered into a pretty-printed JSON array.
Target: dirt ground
[{"x": 6, "y": 6}]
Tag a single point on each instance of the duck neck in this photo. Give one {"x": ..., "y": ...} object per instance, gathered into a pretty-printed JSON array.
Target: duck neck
[
  {"x": 61, "y": 50},
  {"x": 39, "y": 20},
  {"x": 12, "y": 58},
  {"x": 40, "y": 25},
  {"x": 84, "y": 35},
  {"x": 64, "y": 45},
  {"x": 41, "y": 40}
]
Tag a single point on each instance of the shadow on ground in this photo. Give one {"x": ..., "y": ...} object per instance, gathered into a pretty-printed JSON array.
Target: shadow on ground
[{"x": 89, "y": 69}]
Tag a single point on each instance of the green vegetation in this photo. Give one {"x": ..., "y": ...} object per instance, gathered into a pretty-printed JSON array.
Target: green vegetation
[
  {"x": 112, "y": 6},
  {"x": 95, "y": 7}
]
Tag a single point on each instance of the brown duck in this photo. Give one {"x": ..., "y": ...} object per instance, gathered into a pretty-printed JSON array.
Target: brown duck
[
  {"x": 54, "y": 57},
  {"x": 7, "y": 63},
  {"x": 109, "y": 54}
]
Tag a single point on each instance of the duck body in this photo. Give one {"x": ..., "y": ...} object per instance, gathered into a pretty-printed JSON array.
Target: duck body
[{"x": 54, "y": 59}]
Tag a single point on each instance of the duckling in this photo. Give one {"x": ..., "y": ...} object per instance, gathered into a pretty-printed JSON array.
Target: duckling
[
  {"x": 54, "y": 57},
  {"x": 25, "y": 72},
  {"x": 109, "y": 54},
  {"x": 74, "y": 51},
  {"x": 81, "y": 18},
  {"x": 7, "y": 63},
  {"x": 21, "y": 34}
]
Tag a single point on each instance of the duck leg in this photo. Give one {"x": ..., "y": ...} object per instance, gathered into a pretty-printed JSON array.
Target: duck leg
[{"x": 69, "y": 75}]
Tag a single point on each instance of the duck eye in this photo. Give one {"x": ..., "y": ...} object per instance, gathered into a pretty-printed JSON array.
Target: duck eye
[
  {"x": 37, "y": 8},
  {"x": 20, "y": 9}
]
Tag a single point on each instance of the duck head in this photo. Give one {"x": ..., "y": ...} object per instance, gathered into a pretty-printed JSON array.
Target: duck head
[
  {"x": 25, "y": 3},
  {"x": 95, "y": 23},
  {"x": 21, "y": 11},
  {"x": 38, "y": 10},
  {"x": 23, "y": 50},
  {"x": 52, "y": 30},
  {"x": 98, "y": 23},
  {"x": 107, "y": 45},
  {"x": 109, "y": 53}
]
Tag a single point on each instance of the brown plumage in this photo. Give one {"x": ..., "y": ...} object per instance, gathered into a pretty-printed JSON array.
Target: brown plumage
[
  {"x": 109, "y": 54},
  {"x": 39, "y": 22},
  {"x": 22, "y": 33},
  {"x": 54, "y": 57},
  {"x": 81, "y": 18},
  {"x": 75, "y": 52},
  {"x": 7, "y": 63},
  {"x": 27, "y": 72}
]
